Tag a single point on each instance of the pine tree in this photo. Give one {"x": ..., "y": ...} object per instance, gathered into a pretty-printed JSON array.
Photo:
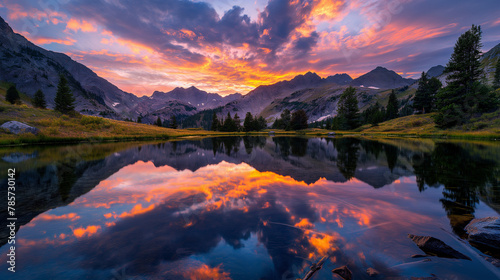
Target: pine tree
[
  {"x": 425, "y": 97},
  {"x": 496, "y": 80},
  {"x": 433, "y": 86},
  {"x": 277, "y": 124},
  {"x": 64, "y": 101},
  {"x": 237, "y": 122},
  {"x": 392, "y": 106},
  {"x": 248, "y": 124},
  {"x": 285, "y": 120},
  {"x": 420, "y": 100},
  {"x": 299, "y": 120},
  {"x": 139, "y": 119},
  {"x": 39, "y": 100},
  {"x": 158, "y": 122},
  {"x": 348, "y": 112},
  {"x": 328, "y": 124},
  {"x": 374, "y": 115},
  {"x": 458, "y": 100},
  {"x": 12, "y": 95},
  {"x": 215, "y": 122},
  {"x": 173, "y": 122},
  {"x": 228, "y": 125},
  {"x": 260, "y": 123}
]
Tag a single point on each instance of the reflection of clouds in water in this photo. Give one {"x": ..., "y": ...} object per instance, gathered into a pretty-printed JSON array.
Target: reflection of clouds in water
[
  {"x": 155, "y": 220},
  {"x": 221, "y": 202},
  {"x": 150, "y": 215}
]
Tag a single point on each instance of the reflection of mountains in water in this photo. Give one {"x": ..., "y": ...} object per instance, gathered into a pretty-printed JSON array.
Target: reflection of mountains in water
[
  {"x": 59, "y": 183},
  {"x": 303, "y": 159}
]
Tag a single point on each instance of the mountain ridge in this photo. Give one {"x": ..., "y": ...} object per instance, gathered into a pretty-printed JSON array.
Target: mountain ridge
[
  {"x": 383, "y": 78},
  {"x": 31, "y": 67},
  {"x": 435, "y": 71}
]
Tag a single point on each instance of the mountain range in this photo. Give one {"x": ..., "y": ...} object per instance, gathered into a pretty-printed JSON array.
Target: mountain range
[{"x": 30, "y": 68}]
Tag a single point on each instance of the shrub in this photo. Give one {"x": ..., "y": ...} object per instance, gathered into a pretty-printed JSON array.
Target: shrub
[
  {"x": 53, "y": 130},
  {"x": 87, "y": 120}
]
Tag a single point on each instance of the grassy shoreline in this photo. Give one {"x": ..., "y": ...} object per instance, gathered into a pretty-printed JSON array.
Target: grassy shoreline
[
  {"x": 56, "y": 128},
  {"x": 29, "y": 139}
]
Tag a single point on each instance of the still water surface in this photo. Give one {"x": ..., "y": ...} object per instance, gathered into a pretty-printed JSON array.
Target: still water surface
[{"x": 247, "y": 208}]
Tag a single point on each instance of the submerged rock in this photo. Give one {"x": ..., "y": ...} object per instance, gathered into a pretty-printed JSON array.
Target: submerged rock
[
  {"x": 485, "y": 231},
  {"x": 343, "y": 272},
  {"x": 372, "y": 272},
  {"x": 435, "y": 247},
  {"x": 19, "y": 127},
  {"x": 493, "y": 261}
]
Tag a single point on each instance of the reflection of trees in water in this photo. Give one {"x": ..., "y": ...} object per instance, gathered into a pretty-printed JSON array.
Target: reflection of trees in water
[
  {"x": 283, "y": 145},
  {"x": 375, "y": 148},
  {"x": 227, "y": 145},
  {"x": 299, "y": 146},
  {"x": 464, "y": 177},
  {"x": 347, "y": 149},
  {"x": 295, "y": 146},
  {"x": 372, "y": 147},
  {"x": 391, "y": 153},
  {"x": 251, "y": 142},
  {"x": 425, "y": 171}
]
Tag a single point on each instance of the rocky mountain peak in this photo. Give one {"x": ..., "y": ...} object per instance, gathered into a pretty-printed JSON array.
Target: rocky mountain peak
[
  {"x": 381, "y": 77},
  {"x": 4, "y": 26},
  {"x": 435, "y": 71}
]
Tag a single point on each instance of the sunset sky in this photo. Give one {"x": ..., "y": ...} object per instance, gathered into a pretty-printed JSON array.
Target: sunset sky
[{"x": 233, "y": 46}]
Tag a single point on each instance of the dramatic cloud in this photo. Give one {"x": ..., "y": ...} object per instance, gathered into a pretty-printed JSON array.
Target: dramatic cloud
[{"x": 226, "y": 48}]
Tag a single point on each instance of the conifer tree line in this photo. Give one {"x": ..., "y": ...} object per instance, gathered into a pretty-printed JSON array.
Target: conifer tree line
[
  {"x": 291, "y": 121},
  {"x": 349, "y": 117},
  {"x": 233, "y": 124},
  {"x": 170, "y": 124},
  {"x": 64, "y": 100}
]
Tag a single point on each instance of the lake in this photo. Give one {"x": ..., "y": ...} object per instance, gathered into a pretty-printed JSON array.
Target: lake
[{"x": 247, "y": 208}]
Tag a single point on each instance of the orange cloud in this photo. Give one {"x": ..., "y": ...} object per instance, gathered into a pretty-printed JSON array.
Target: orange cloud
[
  {"x": 395, "y": 34},
  {"x": 188, "y": 33},
  {"x": 137, "y": 210},
  {"x": 49, "y": 217},
  {"x": 205, "y": 272},
  {"x": 88, "y": 231},
  {"x": 108, "y": 215},
  {"x": 40, "y": 40},
  {"x": 327, "y": 10},
  {"x": 304, "y": 223},
  {"x": 324, "y": 244},
  {"x": 83, "y": 25}
]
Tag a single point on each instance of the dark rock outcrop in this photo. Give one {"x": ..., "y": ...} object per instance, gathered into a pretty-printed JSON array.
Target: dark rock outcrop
[
  {"x": 485, "y": 232},
  {"x": 343, "y": 272},
  {"x": 435, "y": 247}
]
